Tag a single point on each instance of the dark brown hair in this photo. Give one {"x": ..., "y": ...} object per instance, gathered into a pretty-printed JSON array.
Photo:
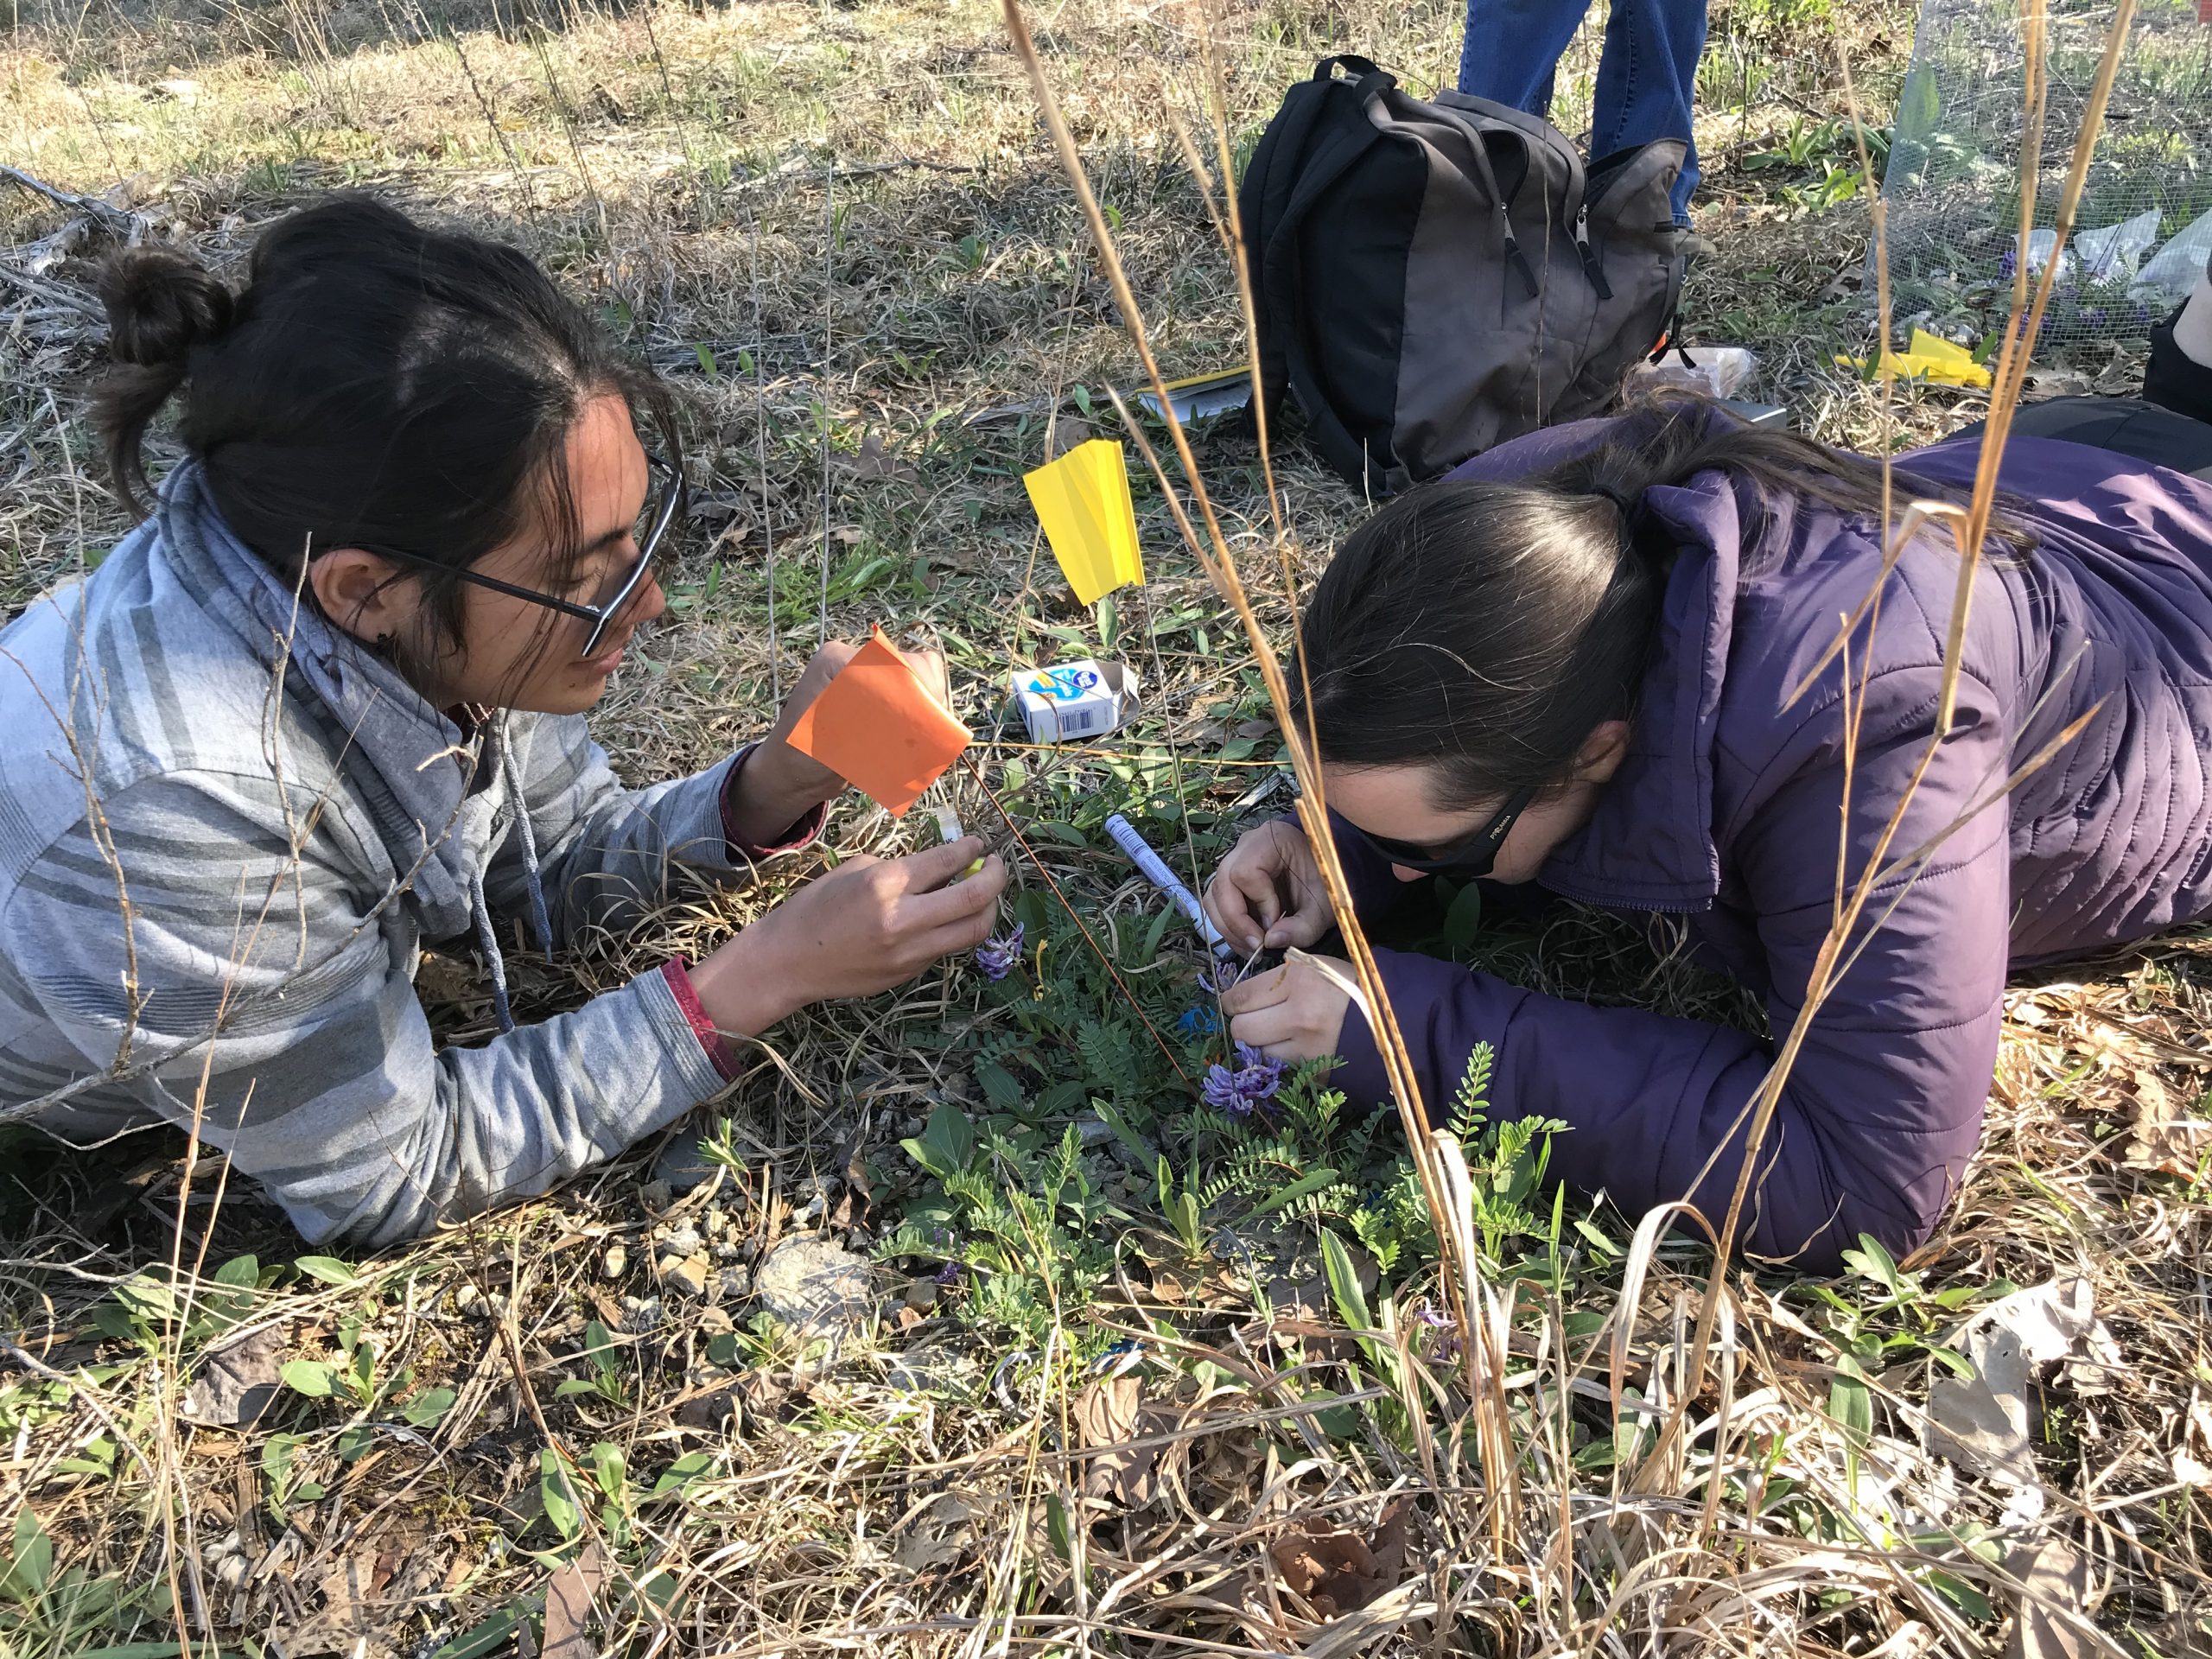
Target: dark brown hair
[
  {"x": 378, "y": 383},
  {"x": 1486, "y": 629}
]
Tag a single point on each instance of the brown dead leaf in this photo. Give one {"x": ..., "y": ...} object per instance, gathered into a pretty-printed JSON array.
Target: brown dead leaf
[
  {"x": 2053, "y": 1603},
  {"x": 1338, "y": 1570},
  {"x": 567, "y": 1606},
  {"x": 1108, "y": 1413},
  {"x": 873, "y": 460},
  {"x": 2164, "y": 1138},
  {"x": 238, "y": 1380},
  {"x": 1067, "y": 432}
]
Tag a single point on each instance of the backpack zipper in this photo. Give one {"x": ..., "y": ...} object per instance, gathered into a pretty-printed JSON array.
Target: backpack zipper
[{"x": 1590, "y": 266}]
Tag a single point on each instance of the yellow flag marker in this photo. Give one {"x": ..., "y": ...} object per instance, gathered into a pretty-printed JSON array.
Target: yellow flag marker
[
  {"x": 1083, "y": 501},
  {"x": 1930, "y": 357}
]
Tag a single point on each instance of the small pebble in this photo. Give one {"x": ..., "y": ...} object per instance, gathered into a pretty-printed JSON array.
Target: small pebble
[
  {"x": 684, "y": 1274},
  {"x": 681, "y": 1239},
  {"x": 723, "y": 1249},
  {"x": 640, "y": 1314},
  {"x": 921, "y": 1295},
  {"x": 734, "y": 1284},
  {"x": 616, "y": 1260}
]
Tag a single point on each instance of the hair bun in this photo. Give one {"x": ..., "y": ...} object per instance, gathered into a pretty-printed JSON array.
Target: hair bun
[{"x": 160, "y": 305}]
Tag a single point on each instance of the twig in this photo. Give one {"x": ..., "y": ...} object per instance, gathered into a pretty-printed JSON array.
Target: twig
[{"x": 106, "y": 215}]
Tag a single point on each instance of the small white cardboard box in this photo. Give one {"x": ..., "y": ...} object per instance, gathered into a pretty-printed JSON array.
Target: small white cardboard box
[{"x": 1083, "y": 698}]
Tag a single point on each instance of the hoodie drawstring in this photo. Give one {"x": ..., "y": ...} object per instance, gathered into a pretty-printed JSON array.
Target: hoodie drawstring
[{"x": 487, "y": 936}]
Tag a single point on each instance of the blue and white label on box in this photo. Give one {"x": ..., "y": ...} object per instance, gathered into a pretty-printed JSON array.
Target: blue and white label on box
[{"x": 1084, "y": 698}]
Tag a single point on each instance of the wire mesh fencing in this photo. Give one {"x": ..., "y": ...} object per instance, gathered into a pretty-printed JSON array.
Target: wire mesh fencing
[{"x": 2144, "y": 230}]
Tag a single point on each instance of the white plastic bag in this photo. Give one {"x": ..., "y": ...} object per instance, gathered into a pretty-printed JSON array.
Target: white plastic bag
[
  {"x": 2117, "y": 249},
  {"x": 2174, "y": 271}
]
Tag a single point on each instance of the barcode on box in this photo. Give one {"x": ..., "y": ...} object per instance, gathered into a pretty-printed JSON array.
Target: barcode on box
[{"x": 1082, "y": 721}]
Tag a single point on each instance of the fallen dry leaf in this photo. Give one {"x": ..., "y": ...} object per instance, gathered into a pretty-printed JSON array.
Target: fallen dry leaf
[
  {"x": 1985, "y": 1422},
  {"x": 2053, "y": 1602},
  {"x": 1338, "y": 1570},
  {"x": 2164, "y": 1137},
  {"x": 567, "y": 1606},
  {"x": 1108, "y": 1413},
  {"x": 237, "y": 1380}
]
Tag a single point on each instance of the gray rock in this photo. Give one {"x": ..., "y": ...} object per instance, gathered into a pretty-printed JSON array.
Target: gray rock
[
  {"x": 810, "y": 1282},
  {"x": 682, "y": 1164},
  {"x": 640, "y": 1314},
  {"x": 682, "y": 1239},
  {"x": 734, "y": 1284}
]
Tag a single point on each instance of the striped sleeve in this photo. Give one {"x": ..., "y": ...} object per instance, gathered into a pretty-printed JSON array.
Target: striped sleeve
[
  {"x": 266, "y": 996},
  {"x": 605, "y": 854}
]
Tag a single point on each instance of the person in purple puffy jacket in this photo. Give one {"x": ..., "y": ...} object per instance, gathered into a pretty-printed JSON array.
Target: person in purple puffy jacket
[{"x": 1572, "y": 662}]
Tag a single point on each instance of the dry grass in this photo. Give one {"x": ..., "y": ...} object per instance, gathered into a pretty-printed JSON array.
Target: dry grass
[{"x": 919, "y": 319}]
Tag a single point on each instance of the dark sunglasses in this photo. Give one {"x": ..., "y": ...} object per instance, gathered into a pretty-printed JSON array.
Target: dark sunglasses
[
  {"x": 663, "y": 511},
  {"x": 1471, "y": 856}
]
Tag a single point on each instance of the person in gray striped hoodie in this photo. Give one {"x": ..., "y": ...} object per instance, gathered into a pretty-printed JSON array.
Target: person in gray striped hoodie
[{"x": 326, "y": 703}]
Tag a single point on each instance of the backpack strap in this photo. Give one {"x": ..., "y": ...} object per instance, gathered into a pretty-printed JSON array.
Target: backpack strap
[
  {"x": 1264, "y": 202},
  {"x": 1281, "y": 288}
]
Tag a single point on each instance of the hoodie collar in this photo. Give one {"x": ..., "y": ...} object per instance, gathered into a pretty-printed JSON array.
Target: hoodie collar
[
  {"x": 422, "y": 760},
  {"x": 1650, "y": 845}
]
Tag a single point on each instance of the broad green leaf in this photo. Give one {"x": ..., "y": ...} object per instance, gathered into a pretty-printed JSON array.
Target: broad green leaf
[
  {"x": 1343, "y": 1284},
  {"x": 242, "y": 1271},
  {"x": 309, "y": 1376},
  {"x": 328, "y": 1268},
  {"x": 553, "y": 1491},
  {"x": 428, "y": 1409},
  {"x": 1851, "y": 1403},
  {"x": 488, "y": 1637},
  {"x": 30, "y": 1560},
  {"x": 999, "y": 1086},
  {"x": 1111, "y": 1116},
  {"x": 575, "y": 1386},
  {"x": 147, "y": 1298},
  {"x": 681, "y": 1473},
  {"x": 1962, "y": 1595},
  {"x": 607, "y": 1470},
  {"x": 1313, "y": 1181}
]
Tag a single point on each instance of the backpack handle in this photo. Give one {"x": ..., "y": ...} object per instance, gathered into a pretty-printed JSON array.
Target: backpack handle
[{"x": 1366, "y": 68}]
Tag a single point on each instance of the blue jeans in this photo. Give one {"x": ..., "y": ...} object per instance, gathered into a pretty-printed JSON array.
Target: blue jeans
[{"x": 1647, "y": 75}]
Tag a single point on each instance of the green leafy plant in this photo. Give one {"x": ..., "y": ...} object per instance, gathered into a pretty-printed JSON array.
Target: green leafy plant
[
  {"x": 355, "y": 1380},
  {"x": 605, "y": 1376}
]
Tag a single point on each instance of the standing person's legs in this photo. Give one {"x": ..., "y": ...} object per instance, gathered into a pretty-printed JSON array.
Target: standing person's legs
[
  {"x": 1513, "y": 48},
  {"x": 1647, "y": 83}
]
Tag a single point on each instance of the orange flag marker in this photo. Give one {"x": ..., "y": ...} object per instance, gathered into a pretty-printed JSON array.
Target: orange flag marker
[{"x": 877, "y": 726}]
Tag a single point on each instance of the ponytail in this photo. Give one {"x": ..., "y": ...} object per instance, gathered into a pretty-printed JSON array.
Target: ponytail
[{"x": 160, "y": 307}]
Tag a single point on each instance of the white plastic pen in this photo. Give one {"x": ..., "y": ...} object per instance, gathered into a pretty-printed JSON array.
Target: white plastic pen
[{"x": 1154, "y": 869}]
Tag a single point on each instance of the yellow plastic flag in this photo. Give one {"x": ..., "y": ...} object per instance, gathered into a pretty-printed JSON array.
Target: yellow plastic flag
[
  {"x": 1083, "y": 501},
  {"x": 1930, "y": 357}
]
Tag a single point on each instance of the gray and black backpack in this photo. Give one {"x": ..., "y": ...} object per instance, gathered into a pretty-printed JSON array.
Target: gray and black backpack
[{"x": 1433, "y": 278}]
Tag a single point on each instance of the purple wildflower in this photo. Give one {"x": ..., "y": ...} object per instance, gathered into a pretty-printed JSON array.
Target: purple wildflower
[
  {"x": 1445, "y": 1345},
  {"x": 1238, "y": 1092},
  {"x": 997, "y": 955},
  {"x": 949, "y": 1275}
]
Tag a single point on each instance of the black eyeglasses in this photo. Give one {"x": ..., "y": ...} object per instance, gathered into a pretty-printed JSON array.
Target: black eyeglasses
[
  {"x": 663, "y": 513},
  {"x": 1470, "y": 855}
]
